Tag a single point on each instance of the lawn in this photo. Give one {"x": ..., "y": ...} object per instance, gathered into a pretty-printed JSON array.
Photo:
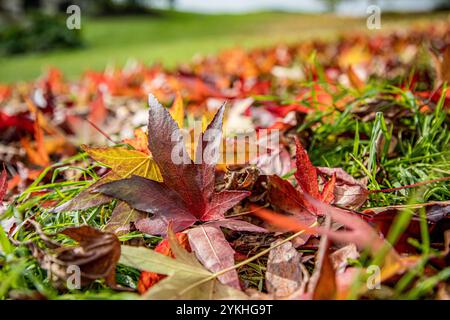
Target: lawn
[{"x": 174, "y": 37}]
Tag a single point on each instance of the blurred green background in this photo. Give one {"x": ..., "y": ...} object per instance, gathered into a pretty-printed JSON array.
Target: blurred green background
[{"x": 153, "y": 34}]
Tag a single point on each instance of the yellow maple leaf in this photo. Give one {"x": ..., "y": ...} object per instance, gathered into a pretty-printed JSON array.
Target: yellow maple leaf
[{"x": 125, "y": 162}]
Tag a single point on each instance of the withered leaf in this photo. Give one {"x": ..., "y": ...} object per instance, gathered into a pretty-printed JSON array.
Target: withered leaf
[
  {"x": 340, "y": 257},
  {"x": 348, "y": 192},
  {"x": 284, "y": 273},
  {"x": 96, "y": 255},
  {"x": 382, "y": 218},
  {"x": 121, "y": 217},
  {"x": 87, "y": 198}
]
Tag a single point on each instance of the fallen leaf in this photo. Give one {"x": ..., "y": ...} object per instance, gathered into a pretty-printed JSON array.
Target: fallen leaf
[
  {"x": 125, "y": 162},
  {"x": 121, "y": 218},
  {"x": 325, "y": 287},
  {"x": 307, "y": 178},
  {"x": 96, "y": 255},
  {"x": 187, "y": 193},
  {"x": 283, "y": 273},
  {"x": 382, "y": 219},
  {"x": 306, "y": 173},
  {"x": 442, "y": 65},
  {"x": 340, "y": 257},
  {"x": 87, "y": 198},
  {"x": 37, "y": 153},
  {"x": 283, "y": 196},
  {"x": 322, "y": 284},
  {"x": 139, "y": 142},
  {"x": 348, "y": 192},
  {"x": 214, "y": 252}
]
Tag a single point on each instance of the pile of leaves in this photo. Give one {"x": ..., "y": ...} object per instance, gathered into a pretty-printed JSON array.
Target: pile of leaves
[{"x": 352, "y": 203}]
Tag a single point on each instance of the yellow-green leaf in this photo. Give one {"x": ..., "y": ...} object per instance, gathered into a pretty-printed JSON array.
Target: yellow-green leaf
[{"x": 125, "y": 162}]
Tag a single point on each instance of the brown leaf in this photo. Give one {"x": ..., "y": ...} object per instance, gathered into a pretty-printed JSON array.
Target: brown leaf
[
  {"x": 340, "y": 257},
  {"x": 348, "y": 192},
  {"x": 283, "y": 274},
  {"x": 121, "y": 218},
  {"x": 96, "y": 255},
  {"x": 442, "y": 65},
  {"x": 88, "y": 198}
]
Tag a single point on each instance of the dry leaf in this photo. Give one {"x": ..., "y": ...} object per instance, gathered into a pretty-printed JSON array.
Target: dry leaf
[
  {"x": 96, "y": 255},
  {"x": 283, "y": 273}
]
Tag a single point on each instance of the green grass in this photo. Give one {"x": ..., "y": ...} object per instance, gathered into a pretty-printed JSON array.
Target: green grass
[{"x": 174, "y": 37}]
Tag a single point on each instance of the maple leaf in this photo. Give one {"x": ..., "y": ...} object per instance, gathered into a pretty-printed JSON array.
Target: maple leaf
[
  {"x": 382, "y": 218},
  {"x": 186, "y": 277},
  {"x": 285, "y": 198},
  {"x": 139, "y": 142},
  {"x": 186, "y": 194},
  {"x": 306, "y": 176},
  {"x": 125, "y": 162},
  {"x": 357, "y": 230}
]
